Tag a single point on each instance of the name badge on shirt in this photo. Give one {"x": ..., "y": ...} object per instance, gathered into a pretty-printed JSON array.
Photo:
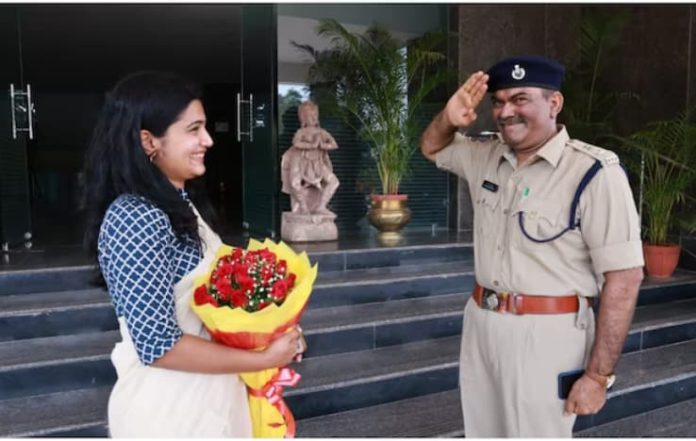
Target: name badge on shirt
[{"x": 488, "y": 185}]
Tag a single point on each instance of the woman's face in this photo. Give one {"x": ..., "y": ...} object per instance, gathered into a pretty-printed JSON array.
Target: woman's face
[{"x": 181, "y": 150}]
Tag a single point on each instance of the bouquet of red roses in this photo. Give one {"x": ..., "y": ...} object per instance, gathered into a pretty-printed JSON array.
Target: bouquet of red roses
[
  {"x": 247, "y": 279},
  {"x": 246, "y": 300}
]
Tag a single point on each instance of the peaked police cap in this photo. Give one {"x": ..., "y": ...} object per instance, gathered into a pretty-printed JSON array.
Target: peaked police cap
[{"x": 526, "y": 71}]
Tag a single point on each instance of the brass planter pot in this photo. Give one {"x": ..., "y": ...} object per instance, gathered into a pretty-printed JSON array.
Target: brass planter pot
[{"x": 389, "y": 214}]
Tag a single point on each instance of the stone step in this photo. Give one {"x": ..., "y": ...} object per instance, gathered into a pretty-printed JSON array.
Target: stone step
[
  {"x": 376, "y": 257},
  {"x": 681, "y": 286},
  {"x": 645, "y": 381},
  {"x": 42, "y": 276},
  {"x": 332, "y": 386},
  {"x": 660, "y": 324},
  {"x": 676, "y": 420},
  {"x": 52, "y": 364},
  {"x": 55, "y": 313},
  {"x": 43, "y": 279},
  {"x": 369, "y": 286},
  {"x": 352, "y": 380},
  {"x": 24, "y": 316},
  {"x": 431, "y": 415},
  {"x": 373, "y": 325},
  {"x": 42, "y": 365},
  {"x": 55, "y": 414}
]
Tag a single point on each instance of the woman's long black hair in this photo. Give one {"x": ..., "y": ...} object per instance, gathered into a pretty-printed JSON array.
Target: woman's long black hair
[{"x": 116, "y": 163}]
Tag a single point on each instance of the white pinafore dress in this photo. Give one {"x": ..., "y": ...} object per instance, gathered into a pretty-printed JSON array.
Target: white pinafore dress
[{"x": 151, "y": 402}]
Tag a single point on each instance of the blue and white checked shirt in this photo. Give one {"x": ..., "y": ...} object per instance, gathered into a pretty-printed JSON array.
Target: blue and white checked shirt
[{"x": 141, "y": 260}]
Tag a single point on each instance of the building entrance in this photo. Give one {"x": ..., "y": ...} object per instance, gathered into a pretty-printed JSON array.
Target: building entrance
[{"x": 59, "y": 60}]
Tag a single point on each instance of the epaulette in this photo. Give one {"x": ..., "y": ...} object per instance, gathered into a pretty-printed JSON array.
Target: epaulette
[{"x": 606, "y": 157}]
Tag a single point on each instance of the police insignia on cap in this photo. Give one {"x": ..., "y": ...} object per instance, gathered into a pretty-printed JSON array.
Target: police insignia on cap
[
  {"x": 525, "y": 71},
  {"x": 518, "y": 72}
]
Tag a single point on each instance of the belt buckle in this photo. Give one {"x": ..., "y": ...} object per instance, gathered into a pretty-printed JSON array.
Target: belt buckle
[{"x": 495, "y": 301}]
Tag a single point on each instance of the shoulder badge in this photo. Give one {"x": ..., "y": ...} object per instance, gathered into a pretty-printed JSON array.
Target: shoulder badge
[{"x": 606, "y": 157}]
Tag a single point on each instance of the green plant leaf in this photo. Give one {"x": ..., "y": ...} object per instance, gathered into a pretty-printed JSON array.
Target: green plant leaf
[{"x": 377, "y": 84}]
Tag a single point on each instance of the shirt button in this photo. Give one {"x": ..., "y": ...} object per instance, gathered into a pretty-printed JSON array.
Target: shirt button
[
  {"x": 500, "y": 248},
  {"x": 495, "y": 282},
  {"x": 506, "y": 211}
]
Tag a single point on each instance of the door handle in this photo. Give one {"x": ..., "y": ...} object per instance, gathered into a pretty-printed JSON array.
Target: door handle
[
  {"x": 12, "y": 111},
  {"x": 251, "y": 117},
  {"x": 30, "y": 111},
  {"x": 25, "y": 106},
  {"x": 249, "y": 133}
]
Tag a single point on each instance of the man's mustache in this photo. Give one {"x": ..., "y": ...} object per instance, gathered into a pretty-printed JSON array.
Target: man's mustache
[{"x": 511, "y": 120}]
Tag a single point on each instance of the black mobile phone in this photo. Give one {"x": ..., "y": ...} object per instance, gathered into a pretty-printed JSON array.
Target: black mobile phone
[{"x": 566, "y": 381}]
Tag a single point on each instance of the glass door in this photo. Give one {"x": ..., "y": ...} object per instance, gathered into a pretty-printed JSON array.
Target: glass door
[
  {"x": 16, "y": 128},
  {"x": 257, "y": 124},
  {"x": 73, "y": 54}
]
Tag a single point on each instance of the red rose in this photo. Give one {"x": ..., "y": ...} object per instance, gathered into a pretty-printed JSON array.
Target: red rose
[
  {"x": 291, "y": 279},
  {"x": 265, "y": 275},
  {"x": 267, "y": 255},
  {"x": 225, "y": 270},
  {"x": 237, "y": 254},
  {"x": 241, "y": 269},
  {"x": 282, "y": 267},
  {"x": 239, "y": 300},
  {"x": 279, "y": 290},
  {"x": 224, "y": 289},
  {"x": 245, "y": 282},
  {"x": 201, "y": 296}
]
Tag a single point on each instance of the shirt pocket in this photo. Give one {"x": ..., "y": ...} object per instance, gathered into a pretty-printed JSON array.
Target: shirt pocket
[
  {"x": 542, "y": 219},
  {"x": 487, "y": 213}
]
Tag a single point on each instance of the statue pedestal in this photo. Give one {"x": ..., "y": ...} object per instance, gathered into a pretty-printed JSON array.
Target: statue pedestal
[{"x": 308, "y": 227}]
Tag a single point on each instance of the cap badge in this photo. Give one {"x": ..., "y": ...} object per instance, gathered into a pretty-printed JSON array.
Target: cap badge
[{"x": 518, "y": 72}]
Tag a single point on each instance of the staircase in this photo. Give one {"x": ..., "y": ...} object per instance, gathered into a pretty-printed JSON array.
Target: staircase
[{"x": 383, "y": 329}]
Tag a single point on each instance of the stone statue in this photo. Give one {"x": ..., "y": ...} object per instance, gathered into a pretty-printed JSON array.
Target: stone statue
[{"x": 308, "y": 178}]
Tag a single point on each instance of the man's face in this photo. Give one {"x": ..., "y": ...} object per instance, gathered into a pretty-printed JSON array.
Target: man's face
[{"x": 526, "y": 116}]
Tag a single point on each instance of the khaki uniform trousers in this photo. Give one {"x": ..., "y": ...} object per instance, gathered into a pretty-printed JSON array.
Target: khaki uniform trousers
[{"x": 509, "y": 370}]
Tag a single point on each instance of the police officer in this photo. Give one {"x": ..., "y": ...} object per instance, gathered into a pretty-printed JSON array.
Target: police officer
[{"x": 555, "y": 225}]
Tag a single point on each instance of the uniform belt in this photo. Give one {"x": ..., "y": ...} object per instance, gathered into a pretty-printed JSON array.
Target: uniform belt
[{"x": 516, "y": 303}]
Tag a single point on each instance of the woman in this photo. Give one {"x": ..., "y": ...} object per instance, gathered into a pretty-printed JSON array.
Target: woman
[{"x": 149, "y": 142}]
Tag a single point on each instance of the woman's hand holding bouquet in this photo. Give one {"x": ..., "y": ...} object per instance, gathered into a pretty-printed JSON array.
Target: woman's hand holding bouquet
[{"x": 253, "y": 299}]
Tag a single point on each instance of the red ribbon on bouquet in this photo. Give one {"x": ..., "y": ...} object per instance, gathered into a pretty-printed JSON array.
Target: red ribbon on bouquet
[{"x": 273, "y": 392}]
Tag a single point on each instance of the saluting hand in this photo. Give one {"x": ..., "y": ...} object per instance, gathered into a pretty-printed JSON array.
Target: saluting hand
[
  {"x": 586, "y": 397},
  {"x": 461, "y": 107}
]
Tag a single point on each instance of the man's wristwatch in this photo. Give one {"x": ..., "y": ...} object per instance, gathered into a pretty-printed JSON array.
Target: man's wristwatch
[{"x": 606, "y": 381}]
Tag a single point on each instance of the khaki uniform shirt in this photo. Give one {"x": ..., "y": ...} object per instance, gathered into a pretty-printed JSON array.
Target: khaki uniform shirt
[{"x": 607, "y": 239}]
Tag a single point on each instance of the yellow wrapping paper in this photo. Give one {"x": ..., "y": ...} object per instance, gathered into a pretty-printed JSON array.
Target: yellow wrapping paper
[{"x": 239, "y": 328}]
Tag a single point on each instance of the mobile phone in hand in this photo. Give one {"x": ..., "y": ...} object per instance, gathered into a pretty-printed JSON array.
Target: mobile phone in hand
[{"x": 566, "y": 381}]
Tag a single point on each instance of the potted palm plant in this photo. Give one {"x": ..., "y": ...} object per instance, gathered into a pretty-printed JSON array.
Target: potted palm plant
[
  {"x": 377, "y": 84},
  {"x": 590, "y": 105},
  {"x": 668, "y": 149}
]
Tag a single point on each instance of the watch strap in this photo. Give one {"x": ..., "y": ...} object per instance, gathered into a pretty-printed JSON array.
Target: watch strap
[{"x": 605, "y": 381}]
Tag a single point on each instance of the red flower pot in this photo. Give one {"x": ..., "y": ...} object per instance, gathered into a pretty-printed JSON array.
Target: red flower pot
[{"x": 661, "y": 260}]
